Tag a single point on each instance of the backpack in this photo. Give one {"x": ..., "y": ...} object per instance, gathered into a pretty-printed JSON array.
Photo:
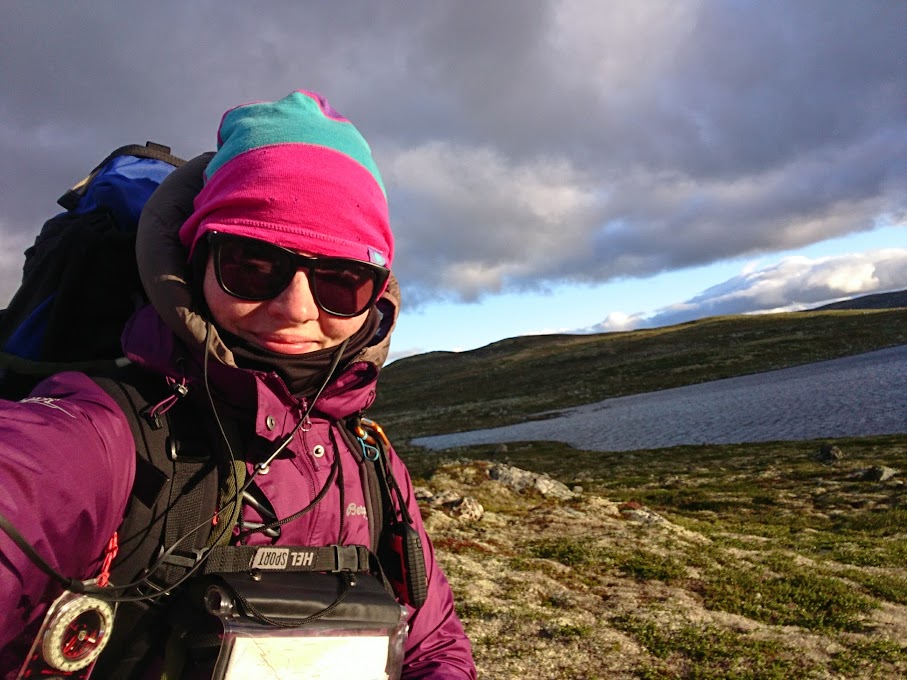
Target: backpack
[
  {"x": 80, "y": 280},
  {"x": 80, "y": 285}
]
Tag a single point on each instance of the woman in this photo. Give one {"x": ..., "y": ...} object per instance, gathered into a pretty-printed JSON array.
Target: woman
[{"x": 279, "y": 322}]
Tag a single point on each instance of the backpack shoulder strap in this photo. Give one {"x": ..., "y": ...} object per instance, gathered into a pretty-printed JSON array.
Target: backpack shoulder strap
[
  {"x": 378, "y": 501},
  {"x": 175, "y": 486},
  {"x": 398, "y": 547},
  {"x": 168, "y": 519}
]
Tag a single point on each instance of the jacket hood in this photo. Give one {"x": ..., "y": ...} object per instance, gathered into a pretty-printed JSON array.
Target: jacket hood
[{"x": 166, "y": 273}]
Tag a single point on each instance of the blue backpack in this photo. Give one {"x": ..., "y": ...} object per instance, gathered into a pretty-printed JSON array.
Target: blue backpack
[{"x": 80, "y": 280}]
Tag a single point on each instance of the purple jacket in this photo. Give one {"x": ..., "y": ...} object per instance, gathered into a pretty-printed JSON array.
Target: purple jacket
[
  {"x": 67, "y": 458},
  {"x": 67, "y": 464}
]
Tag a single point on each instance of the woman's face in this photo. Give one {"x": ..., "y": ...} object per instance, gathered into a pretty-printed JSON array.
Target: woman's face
[{"x": 290, "y": 323}]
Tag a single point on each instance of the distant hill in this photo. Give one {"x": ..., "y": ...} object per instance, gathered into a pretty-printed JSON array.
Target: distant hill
[
  {"x": 878, "y": 301},
  {"x": 510, "y": 380}
]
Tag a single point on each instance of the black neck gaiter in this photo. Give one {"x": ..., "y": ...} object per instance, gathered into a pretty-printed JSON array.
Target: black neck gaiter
[{"x": 303, "y": 374}]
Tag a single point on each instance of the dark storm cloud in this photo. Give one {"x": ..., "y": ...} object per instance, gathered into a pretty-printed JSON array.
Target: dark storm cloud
[
  {"x": 700, "y": 131},
  {"x": 522, "y": 142}
]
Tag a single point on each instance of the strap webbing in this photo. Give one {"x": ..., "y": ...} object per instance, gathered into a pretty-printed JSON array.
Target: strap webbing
[
  {"x": 44, "y": 369},
  {"x": 187, "y": 507},
  {"x": 332, "y": 558},
  {"x": 371, "y": 488}
]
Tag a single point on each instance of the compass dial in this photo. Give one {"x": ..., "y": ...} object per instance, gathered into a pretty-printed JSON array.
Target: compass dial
[{"x": 78, "y": 633}]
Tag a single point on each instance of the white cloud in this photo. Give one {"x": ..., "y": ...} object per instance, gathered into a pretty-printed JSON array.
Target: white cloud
[
  {"x": 620, "y": 321},
  {"x": 793, "y": 283}
]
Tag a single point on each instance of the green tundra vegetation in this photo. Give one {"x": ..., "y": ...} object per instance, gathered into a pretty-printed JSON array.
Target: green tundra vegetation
[{"x": 763, "y": 561}]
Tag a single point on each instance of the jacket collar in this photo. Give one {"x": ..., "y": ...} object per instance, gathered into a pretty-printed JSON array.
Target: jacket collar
[{"x": 149, "y": 343}]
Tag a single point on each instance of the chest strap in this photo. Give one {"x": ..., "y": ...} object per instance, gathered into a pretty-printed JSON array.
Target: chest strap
[{"x": 244, "y": 558}]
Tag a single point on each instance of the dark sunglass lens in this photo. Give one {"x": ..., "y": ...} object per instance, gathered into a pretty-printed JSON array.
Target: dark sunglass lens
[
  {"x": 344, "y": 291},
  {"x": 253, "y": 271}
]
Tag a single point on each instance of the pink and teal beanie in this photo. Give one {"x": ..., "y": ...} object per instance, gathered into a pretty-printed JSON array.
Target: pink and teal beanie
[{"x": 296, "y": 173}]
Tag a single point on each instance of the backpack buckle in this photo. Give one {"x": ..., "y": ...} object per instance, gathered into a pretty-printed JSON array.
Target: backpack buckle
[
  {"x": 184, "y": 558},
  {"x": 346, "y": 558}
]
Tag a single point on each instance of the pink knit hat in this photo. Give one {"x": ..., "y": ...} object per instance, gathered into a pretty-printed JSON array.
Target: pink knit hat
[{"x": 296, "y": 173}]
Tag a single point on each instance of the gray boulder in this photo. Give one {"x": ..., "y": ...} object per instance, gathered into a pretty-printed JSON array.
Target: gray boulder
[
  {"x": 466, "y": 509},
  {"x": 879, "y": 473},
  {"x": 522, "y": 480}
]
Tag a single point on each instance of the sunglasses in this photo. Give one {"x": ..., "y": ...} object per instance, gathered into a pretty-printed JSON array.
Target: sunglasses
[{"x": 255, "y": 270}]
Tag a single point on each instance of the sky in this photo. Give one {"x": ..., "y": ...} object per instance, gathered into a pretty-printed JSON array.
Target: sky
[{"x": 551, "y": 166}]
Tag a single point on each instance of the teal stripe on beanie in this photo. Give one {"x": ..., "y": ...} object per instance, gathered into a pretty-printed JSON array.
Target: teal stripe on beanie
[
  {"x": 298, "y": 174},
  {"x": 301, "y": 117}
]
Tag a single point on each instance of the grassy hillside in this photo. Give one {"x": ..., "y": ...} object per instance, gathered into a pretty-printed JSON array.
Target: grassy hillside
[
  {"x": 503, "y": 383},
  {"x": 896, "y": 298}
]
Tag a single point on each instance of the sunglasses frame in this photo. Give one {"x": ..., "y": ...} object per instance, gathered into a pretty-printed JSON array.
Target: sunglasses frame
[{"x": 379, "y": 274}]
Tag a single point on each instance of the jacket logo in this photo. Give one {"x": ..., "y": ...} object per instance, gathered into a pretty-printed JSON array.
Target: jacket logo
[
  {"x": 46, "y": 401},
  {"x": 353, "y": 510}
]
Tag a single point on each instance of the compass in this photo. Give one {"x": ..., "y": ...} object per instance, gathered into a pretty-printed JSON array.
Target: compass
[{"x": 76, "y": 631}]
